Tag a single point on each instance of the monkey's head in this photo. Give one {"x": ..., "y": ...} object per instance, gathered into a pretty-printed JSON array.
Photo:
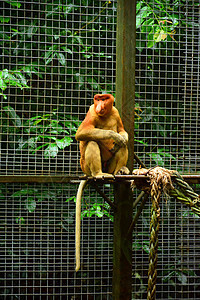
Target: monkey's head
[{"x": 103, "y": 104}]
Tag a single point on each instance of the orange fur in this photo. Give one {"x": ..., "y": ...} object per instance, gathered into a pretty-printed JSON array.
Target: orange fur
[{"x": 101, "y": 115}]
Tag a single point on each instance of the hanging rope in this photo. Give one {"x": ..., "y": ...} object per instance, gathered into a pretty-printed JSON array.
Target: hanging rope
[{"x": 161, "y": 181}]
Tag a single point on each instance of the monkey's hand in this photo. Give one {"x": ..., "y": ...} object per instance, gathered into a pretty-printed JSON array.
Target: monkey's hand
[
  {"x": 114, "y": 149},
  {"x": 124, "y": 134},
  {"x": 119, "y": 139}
]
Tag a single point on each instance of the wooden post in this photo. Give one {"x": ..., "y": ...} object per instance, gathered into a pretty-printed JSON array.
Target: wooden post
[
  {"x": 125, "y": 94},
  {"x": 122, "y": 251},
  {"x": 125, "y": 69}
]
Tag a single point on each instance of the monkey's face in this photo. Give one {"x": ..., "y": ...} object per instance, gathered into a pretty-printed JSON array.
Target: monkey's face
[{"x": 103, "y": 104}]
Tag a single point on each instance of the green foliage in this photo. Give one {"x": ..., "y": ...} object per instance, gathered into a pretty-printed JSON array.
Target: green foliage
[
  {"x": 12, "y": 78},
  {"x": 160, "y": 28},
  {"x": 14, "y": 3},
  {"x": 50, "y": 132},
  {"x": 97, "y": 209},
  {"x": 94, "y": 206},
  {"x": 47, "y": 132},
  {"x": 160, "y": 156},
  {"x": 26, "y": 196},
  {"x": 60, "y": 44},
  {"x": 181, "y": 275},
  {"x": 155, "y": 22},
  {"x": 29, "y": 197}
]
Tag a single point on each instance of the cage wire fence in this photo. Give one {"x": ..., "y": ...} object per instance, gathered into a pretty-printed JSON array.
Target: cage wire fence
[{"x": 55, "y": 55}]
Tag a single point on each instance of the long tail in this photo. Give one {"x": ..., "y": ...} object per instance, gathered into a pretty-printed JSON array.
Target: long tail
[{"x": 78, "y": 221}]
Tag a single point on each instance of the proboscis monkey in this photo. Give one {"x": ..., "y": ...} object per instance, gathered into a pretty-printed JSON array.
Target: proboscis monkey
[{"x": 103, "y": 148}]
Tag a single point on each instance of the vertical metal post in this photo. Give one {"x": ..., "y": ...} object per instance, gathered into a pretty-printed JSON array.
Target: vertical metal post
[{"x": 125, "y": 94}]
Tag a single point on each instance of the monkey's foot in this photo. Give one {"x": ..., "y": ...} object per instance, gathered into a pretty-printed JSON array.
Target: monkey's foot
[
  {"x": 123, "y": 171},
  {"x": 107, "y": 175}
]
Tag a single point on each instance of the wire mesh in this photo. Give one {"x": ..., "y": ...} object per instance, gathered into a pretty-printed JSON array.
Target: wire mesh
[
  {"x": 38, "y": 244},
  {"x": 60, "y": 54},
  {"x": 167, "y": 84},
  {"x": 55, "y": 55},
  {"x": 178, "y": 256}
]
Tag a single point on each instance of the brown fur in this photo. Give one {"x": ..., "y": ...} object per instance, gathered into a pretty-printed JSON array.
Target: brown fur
[{"x": 106, "y": 129}]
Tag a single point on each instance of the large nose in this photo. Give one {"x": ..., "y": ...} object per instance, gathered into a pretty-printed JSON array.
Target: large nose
[{"x": 100, "y": 107}]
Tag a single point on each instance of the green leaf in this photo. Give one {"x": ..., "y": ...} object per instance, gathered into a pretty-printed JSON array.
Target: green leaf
[
  {"x": 163, "y": 152},
  {"x": 30, "y": 204},
  {"x": 4, "y": 96},
  {"x": 13, "y": 115},
  {"x": 20, "y": 220},
  {"x": 40, "y": 147},
  {"x": 77, "y": 39},
  {"x": 160, "y": 35},
  {"x": 146, "y": 248},
  {"x": 22, "y": 79},
  {"x": 4, "y": 19},
  {"x": 13, "y": 3},
  {"x": 51, "y": 151},
  {"x": 49, "y": 55},
  {"x": 73, "y": 198},
  {"x": 31, "y": 69},
  {"x": 55, "y": 126},
  {"x": 67, "y": 50},
  {"x": 157, "y": 158},
  {"x": 151, "y": 42},
  {"x": 141, "y": 142},
  {"x": 87, "y": 55},
  {"x": 159, "y": 2},
  {"x": 93, "y": 83},
  {"x": 143, "y": 13},
  {"x": 32, "y": 142},
  {"x": 4, "y": 74},
  {"x": 137, "y": 245},
  {"x": 147, "y": 26},
  {"x": 66, "y": 141},
  {"x": 49, "y": 60},
  {"x": 3, "y": 85},
  {"x": 32, "y": 30},
  {"x": 138, "y": 6},
  {"x": 80, "y": 79},
  {"x": 12, "y": 78},
  {"x": 98, "y": 212},
  {"x": 61, "y": 58},
  {"x": 167, "y": 277},
  {"x": 68, "y": 8},
  {"x": 182, "y": 278},
  {"x": 24, "y": 192}
]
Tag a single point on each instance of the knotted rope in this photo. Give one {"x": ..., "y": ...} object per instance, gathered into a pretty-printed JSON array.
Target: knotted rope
[{"x": 161, "y": 181}]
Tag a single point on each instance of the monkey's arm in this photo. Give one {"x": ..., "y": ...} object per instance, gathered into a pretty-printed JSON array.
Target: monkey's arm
[
  {"x": 97, "y": 134},
  {"x": 88, "y": 132}
]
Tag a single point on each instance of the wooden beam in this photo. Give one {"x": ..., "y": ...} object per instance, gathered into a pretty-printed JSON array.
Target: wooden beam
[{"x": 76, "y": 179}]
